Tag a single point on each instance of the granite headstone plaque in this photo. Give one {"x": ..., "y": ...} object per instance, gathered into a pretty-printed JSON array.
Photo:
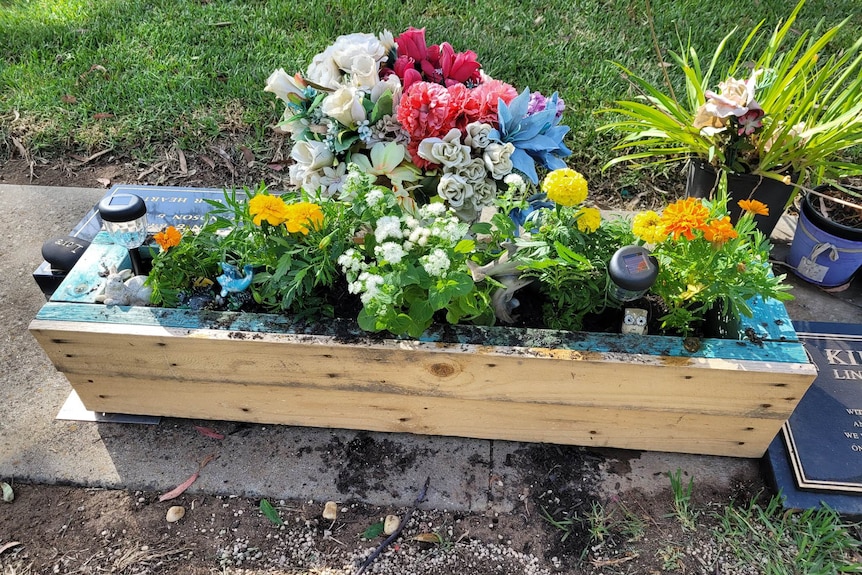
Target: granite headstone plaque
[
  {"x": 166, "y": 205},
  {"x": 817, "y": 457}
]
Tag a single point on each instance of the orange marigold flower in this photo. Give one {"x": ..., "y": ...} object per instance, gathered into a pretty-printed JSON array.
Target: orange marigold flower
[
  {"x": 270, "y": 208},
  {"x": 684, "y": 217},
  {"x": 719, "y": 231},
  {"x": 169, "y": 238},
  {"x": 302, "y": 216},
  {"x": 755, "y": 207}
]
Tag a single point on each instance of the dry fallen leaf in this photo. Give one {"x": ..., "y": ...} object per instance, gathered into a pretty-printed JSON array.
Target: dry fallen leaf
[
  {"x": 69, "y": 99},
  {"x": 104, "y": 181},
  {"x": 207, "y": 432},
  {"x": 275, "y": 167},
  {"x": 184, "y": 167},
  {"x": 102, "y": 116},
  {"x": 207, "y": 160},
  {"x": 247, "y": 155},
  {"x": 181, "y": 488}
]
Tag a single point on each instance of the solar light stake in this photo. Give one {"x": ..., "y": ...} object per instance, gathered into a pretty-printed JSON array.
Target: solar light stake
[
  {"x": 632, "y": 271},
  {"x": 125, "y": 219}
]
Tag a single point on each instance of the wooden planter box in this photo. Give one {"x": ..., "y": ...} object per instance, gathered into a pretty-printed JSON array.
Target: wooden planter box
[{"x": 638, "y": 392}]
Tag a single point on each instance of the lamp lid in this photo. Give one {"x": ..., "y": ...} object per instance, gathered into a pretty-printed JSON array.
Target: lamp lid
[{"x": 122, "y": 208}]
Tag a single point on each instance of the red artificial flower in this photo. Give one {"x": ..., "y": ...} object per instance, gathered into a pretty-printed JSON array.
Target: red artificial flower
[
  {"x": 458, "y": 68},
  {"x": 411, "y": 43}
]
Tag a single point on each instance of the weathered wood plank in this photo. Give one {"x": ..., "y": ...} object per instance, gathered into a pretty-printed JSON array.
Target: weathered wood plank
[
  {"x": 612, "y": 380},
  {"x": 590, "y": 426}
]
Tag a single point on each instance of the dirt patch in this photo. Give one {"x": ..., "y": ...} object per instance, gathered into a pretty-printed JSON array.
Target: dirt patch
[{"x": 562, "y": 528}]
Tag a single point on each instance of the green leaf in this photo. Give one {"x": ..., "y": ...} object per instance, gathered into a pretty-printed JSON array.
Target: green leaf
[
  {"x": 382, "y": 108},
  {"x": 465, "y": 246},
  {"x": 270, "y": 512},
  {"x": 374, "y": 530}
]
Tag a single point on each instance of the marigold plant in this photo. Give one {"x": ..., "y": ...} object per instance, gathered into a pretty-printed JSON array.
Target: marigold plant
[{"x": 707, "y": 264}]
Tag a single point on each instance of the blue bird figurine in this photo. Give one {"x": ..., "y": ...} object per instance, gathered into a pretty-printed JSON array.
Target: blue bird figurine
[{"x": 231, "y": 281}]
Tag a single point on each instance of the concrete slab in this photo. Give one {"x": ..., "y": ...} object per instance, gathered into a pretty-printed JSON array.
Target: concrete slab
[{"x": 278, "y": 461}]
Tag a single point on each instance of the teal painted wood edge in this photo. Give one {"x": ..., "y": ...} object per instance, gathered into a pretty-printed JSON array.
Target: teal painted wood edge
[
  {"x": 769, "y": 321},
  {"x": 347, "y": 332}
]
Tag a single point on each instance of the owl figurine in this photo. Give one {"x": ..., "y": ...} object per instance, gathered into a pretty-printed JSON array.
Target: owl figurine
[{"x": 634, "y": 321}]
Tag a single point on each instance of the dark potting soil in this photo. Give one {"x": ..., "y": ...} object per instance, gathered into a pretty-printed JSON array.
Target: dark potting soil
[{"x": 838, "y": 212}]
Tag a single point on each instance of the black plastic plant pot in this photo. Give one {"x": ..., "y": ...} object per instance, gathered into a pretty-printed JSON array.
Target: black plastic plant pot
[{"x": 826, "y": 224}]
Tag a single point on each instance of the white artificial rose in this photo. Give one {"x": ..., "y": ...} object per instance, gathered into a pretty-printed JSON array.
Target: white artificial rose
[
  {"x": 454, "y": 189},
  {"x": 324, "y": 71},
  {"x": 498, "y": 159},
  {"x": 359, "y": 55},
  {"x": 344, "y": 105},
  {"x": 283, "y": 86},
  {"x": 311, "y": 155},
  {"x": 364, "y": 72},
  {"x": 477, "y": 135},
  {"x": 447, "y": 151},
  {"x": 474, "y": 171}
]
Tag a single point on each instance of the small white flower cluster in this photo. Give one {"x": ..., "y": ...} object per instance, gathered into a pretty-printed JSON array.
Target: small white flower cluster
[
  {"x": 423, "y": 237},
  {"x": 470, "y": 170}
]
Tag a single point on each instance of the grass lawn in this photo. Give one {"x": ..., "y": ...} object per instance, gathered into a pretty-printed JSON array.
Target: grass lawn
[{"x": 140, "y": 75}]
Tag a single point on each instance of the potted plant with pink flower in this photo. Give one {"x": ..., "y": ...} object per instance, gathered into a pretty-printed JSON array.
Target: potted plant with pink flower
[{"x": 786, "y": 119}]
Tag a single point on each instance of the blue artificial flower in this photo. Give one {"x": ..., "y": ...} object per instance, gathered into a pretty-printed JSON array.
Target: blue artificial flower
[
  {"x": 536, "y": 137},
  {"x": 529, "y": 213}
]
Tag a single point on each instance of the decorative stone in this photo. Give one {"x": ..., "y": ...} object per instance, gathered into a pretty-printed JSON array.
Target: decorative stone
[
  {"x": 390, "y": 524},
  {"x": 175, "y": 513},
  {"x": 64, "y": 252},
  {"x": 330, "y": 511}
]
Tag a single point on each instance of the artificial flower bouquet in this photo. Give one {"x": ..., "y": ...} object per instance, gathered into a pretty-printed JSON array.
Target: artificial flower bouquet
[{"x": 423, "y": 120}]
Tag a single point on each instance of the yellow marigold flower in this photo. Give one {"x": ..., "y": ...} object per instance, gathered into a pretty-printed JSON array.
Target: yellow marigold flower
[
  {"x": 684, "y": 217},
  {"x": 302, "y": 216},
  {"x": 755, "y": 207},
  {"x": 565, "y": 187},
  {"x": 589, "y": 219},
  {"x": 270, "y": 208},
  {"x": 719, "y": 231},
  {"x": 169, "y": 238},
  {"x": 648, "y": 227}
]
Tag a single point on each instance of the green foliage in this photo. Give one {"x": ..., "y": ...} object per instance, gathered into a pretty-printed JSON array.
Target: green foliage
[
  {"x": 374, "y": 530},
  {"x": 682, "y": 505},
  {"x": 571, "y": 265},
  {"x": 193, "y": 262},
  {"x": 811, "y": 542},
  {"x": 697, "y": 274},
  {"x": 164, "y": 85},
  {"x": 270, "y": 512}
]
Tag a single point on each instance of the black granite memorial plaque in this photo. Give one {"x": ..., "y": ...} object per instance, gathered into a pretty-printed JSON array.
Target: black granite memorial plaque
[
  {"x": 817, "y": 457},
  {"x": 166, "y": 205}
]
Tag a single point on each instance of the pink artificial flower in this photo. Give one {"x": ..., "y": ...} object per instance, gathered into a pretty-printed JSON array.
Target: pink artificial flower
[
  {"x": 424, "y": 110},
  {"x": 750, "y": 121},
  {"x": 488, "y": 95}
]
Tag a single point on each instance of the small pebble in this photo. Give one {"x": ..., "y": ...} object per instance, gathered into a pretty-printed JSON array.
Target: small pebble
[
  {"x": 330, "y": 511},
  {"x": 175, "y": 513}
]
